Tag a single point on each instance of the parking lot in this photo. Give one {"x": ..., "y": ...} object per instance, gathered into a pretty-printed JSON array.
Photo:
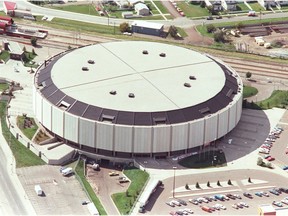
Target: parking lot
[
  {"x": 260, "y": 181},
  {"x": 61, "y": 195}
]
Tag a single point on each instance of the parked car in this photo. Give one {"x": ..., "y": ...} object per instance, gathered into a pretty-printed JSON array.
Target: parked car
[
  {"x": 235, "y": 206},
  {"x": 244, "y": 204},
  {"x": 285, "y": 201},
  {"x": 213, "y": 198},
  {"x": 209, "y": 18},
  {"x": 182, "y": 202},
  {"x": 248, "y": 195},
  {"x": 190, "y": 211},
  {"x": 230, "y": 196},
  {"x": 265, "y": 193},
  {"x": 208, "y": 198},
  {"x": 194, "y": 201},
  {"x": 285, "y": 190},
  {"x": 273, "y": 191},
  {"x": 175, "y": 202},
  {"x": 170, "y": 204},
  {"x": 219, "y": 197},
  {"x": 258, "y": 194},
  {"x": 206, "y": 208},
  {"x": 285, "y": 167},
  {"x": 220, "y": 206},
  {"x": 278, "y": 204},
  {"x": 237, "y": 196}
]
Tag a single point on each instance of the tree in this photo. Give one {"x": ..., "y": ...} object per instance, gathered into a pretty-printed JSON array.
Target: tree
[
  {"x": 124, "y": 27},
  {"x": 248, "y": 75},
  {"x": 208, "y": 184},
  {"x": 229, "y": 182},
  {"x": 197, "y": 185},
  {"x": 33, "y": 52},
  {"x": 239, "y": 25},
  {"x": 249, "y": 180},
  {"x": 210, "y": 28},
  {"x": 24, "y": 49},
  {"x": 33, "y": 41},
  {"x": 202, "y": 4},
  {"x": 187, "y": 187},
  {"x": 219, "y": 36},
  {"x": 259, "y": 161},
  {"x": 173, "y": 31},
  {"x": 218, "y": 183}
]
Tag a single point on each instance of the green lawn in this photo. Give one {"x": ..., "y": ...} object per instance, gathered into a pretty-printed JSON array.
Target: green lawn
[
  {"x": 4, "y": 55},
  {"x": 192, "y": 10},
  {"x": 80, "y": 172},
  {"x": 80, "y": 26},
  {"x": 3, "y": 86},
  {"x": 161, "y": 7},
  {"x": 205, "y": 159},
  {"x": 152, "y": 7},
  {"x": 124, "y": 201},
  {"x": 23, "y": 156},
  {"x": 249, "y": 91},
  {"x": 278, "y": 98},
  {"x": 256, "y": 6},
  {"x": 242, "y": 7},
  {"x": 83, "y": 9},
  {"x": 182, "y": 32},
  {"x": 28, "y": 131}
]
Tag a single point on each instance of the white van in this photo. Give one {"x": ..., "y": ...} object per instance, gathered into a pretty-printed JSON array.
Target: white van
[
  {"x": 67, "y": 171},
  {"x": 38, "y": 190}
]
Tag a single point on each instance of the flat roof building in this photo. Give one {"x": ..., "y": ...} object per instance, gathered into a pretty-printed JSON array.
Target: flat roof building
[{"x": 136, "y": 98}]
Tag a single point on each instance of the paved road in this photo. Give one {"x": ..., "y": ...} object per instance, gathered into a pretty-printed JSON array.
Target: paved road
[{"x": 181, "y": 21}]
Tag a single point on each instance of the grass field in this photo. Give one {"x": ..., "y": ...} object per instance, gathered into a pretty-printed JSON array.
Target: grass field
[
  {"x": 4, "y": 55},
  {"x": 205, "y": 159},
  {"x": 3, "y": 86},
  {"x": 191, "y": 10},
  {"x": 28, "y": 132},
  {"x": 242, "y": 7},
  {"x": 124, "y": 201},
  {"x": 249, "y": 91},
  {"x": 277, "y": 99},
  {"x": 23, "y": 156},
  {"x": 256, "y": 7},
  {"x": 161, "y": 7},
  {"x": 83, "y": 9},
  {"x": 80, "y": 172}
]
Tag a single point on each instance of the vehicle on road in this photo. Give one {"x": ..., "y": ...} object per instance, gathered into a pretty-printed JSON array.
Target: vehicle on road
[
  {"x": 113, "y": 174},
  {"x": 85, "y": 202},
  {"x": 285, "y": 167},
  {"x": 285, "y": 201},
  {"x": 67, "y": 171}
]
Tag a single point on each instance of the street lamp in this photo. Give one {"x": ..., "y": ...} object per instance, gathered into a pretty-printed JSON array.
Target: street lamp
[{"x": 174, "y": 168}]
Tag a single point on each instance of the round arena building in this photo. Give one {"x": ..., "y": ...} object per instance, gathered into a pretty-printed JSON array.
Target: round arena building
[{"x": 134, "y": 98}]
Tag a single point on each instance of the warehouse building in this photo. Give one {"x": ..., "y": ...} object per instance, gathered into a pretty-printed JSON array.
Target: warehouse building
[
  {"x": 133, "y": 98},
  {"x": 149, "y": 28}
]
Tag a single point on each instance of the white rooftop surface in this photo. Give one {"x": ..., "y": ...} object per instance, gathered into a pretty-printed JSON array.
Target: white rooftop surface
[
  {"x": 157, "y": 82},
  {"x": 146, "y": 24}
]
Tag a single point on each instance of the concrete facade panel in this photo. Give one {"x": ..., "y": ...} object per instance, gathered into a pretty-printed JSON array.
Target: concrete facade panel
[
  {"x": 142, "y": 139},
  {"x": 57, "y": 121},
  {"x": 47, "y": 111},
  {"x": 211, "y": 127},
  {"x": 161, "y": 139},
  {"x": 38, "y": 107},
  {"x": 232, "y": 117},
  {"x": 179, "y": 137},
  {"x": 196, "y": 133},
  {"x": 223, "y": 123},
  {"x": 71, "y": 127},
  {"x": 123, "y": 139},
  {"x": 104, "y": 136},
  {"x": 87, "y": 132}
]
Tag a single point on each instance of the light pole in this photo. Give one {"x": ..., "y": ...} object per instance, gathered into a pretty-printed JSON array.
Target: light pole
[{"x": 174, "y": 168}]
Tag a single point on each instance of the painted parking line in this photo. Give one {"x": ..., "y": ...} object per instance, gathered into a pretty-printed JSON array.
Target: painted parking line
[
  {"x": 257, "y": 188},
  {"x": 205, "y": 193}
]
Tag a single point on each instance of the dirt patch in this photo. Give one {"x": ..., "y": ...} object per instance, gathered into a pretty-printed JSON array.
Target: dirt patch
[{"x": 105, "y": 185}]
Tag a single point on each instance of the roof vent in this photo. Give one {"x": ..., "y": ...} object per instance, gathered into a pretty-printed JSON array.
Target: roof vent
[
  {"x": 204, "y": 110},
  {"x": 162, "y": 54},
  {"x": 91, "y": 61},
  {"x": 187, "y": 85},
  {"x": 113, "y": 92},
  {"x": 131, "y": 95},
  {"x": 192, "y": 77},
  {"x": 145, "y": 52},
  {"x": 85, "y": 68}
]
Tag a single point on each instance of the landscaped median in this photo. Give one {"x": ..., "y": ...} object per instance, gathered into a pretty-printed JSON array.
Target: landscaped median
[{"x": 125, "y": 201}]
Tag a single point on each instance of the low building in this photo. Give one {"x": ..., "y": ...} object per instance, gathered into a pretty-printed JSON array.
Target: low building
[
  {"x": 134, "y": 2},
  {"x": 127, "y": 14},
  {"x": 14, "y": 49},
  {"x": 11, "y": 9},
  {"x": 148, "y": 28},
  {"x": 141, "y": 9}
]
